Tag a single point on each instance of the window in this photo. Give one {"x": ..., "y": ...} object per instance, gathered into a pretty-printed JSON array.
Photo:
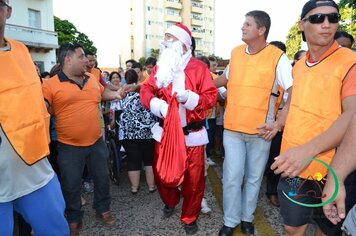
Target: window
[
  {"x": 40, "y": 64},
  {"x": 34, "y": 18}
]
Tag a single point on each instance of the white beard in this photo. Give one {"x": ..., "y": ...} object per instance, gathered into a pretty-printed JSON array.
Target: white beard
[{"x": 170, "y": 61}]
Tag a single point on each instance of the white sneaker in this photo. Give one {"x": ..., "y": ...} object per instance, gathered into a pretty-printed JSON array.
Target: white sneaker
[
  {"x": 210, "y": 162},
  {"x": 88, "y": 187},
  {"x": 205, "y": 209}
]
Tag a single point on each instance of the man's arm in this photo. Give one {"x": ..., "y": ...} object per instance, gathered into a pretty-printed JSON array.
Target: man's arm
[
  {"x": 268, "y": 131},
  {"x": 290, "y": 163},
  {"x": 343, "y": 164},
  {"x": 109, "y": 95},
  {"x": 220, "y": 81},
  {"x": 285, "y": 80}
]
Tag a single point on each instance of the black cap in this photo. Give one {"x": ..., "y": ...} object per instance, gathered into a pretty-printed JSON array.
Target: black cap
[{"x": 311, "y": 4}]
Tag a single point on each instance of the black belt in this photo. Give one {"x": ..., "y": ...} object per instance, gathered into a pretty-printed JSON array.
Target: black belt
[{"x": 195, "y": 126}]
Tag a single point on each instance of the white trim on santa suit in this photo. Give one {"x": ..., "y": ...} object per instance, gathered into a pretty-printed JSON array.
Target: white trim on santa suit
[{"x": 195, "y": 138}]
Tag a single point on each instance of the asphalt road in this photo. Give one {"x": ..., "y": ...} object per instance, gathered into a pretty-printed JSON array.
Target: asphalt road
[{"x": 141, "y": 214}]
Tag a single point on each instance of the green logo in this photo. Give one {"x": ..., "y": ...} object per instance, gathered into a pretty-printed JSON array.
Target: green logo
[{"x": 317, "y": 175}]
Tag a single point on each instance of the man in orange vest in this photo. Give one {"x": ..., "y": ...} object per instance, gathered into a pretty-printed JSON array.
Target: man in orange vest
[
  {"x": 322, "y": 105},
  {"x": 28, "y": 184},
  {"x": 255, "y": 72}
]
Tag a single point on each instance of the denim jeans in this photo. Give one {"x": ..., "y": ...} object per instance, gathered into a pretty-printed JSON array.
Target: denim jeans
[
  {"x": 245, "y": 160},
  {"x": 71, "y": 162}
]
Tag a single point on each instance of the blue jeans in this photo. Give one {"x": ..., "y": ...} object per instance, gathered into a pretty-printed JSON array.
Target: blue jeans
[
  {"x": 245, "y": 160},
  {"x": 71, "y": 162},
  {"x": 43, "y": 209}
]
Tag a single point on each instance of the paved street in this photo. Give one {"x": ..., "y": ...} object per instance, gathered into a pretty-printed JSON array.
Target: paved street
[{"x": 141, "y": 214}]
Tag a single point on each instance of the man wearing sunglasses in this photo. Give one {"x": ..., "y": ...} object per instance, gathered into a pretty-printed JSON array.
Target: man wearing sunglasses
[
  {"x": 322, "y": 105},
  {"x": 28, "y": 185}
]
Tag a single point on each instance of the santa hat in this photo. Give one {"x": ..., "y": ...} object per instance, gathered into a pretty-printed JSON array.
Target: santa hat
[{"x": 182, "y": 33}]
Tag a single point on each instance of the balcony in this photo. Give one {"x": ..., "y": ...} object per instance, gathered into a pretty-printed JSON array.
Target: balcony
[
  {"x": 197, "y": 22},
  {"x": 198, "y": 32},
  {"x": 172, "y": 4},
  {"x": 197, "y": 9},
  {"x": 33, "y": 38},
  {"x": 169, "y": 18}
]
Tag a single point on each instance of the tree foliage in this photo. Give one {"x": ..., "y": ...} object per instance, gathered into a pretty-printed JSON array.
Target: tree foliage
[
  {"x": 68, "y": 33},
  {"x": 142, "y": 61},
  {"x": 293, "y": 42},
  {"x": 347, "y": 3},
  {"x": 154, "y": 53}
]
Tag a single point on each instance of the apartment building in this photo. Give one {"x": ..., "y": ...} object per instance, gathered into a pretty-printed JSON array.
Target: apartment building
[
  {"x": 32, "y": 24},
  {"x": 150, "y": 18}
]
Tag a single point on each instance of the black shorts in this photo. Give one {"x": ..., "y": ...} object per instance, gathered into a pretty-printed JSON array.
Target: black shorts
[{"x": 301, "y": 190}]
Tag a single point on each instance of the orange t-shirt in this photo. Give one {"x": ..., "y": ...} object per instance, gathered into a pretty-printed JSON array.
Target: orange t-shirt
[{"x": 75, "y": 108}]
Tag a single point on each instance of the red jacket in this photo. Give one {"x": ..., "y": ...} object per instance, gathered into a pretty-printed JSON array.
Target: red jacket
[{"x": 203, "y": 95}]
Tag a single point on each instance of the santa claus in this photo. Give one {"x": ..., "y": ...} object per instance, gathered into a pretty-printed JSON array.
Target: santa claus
[{"x": 177, "y": 72}]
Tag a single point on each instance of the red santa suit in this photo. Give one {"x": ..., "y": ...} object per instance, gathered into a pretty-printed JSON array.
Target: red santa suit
[{"x": 196, "y": 79}]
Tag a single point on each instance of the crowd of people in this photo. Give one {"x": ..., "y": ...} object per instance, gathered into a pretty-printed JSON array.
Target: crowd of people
[{"x": 294, "y": 123}]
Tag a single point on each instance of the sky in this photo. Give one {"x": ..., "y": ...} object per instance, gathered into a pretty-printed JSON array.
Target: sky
[{"x": 101, "y": 22}]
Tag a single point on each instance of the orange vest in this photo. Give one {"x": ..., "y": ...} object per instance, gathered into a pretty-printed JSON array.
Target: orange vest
[
  {"x": 251, "y": 79},
  {"x": 316, "y": 104},
  {"x": 23, "y": 114},
  {"x": 209, "y": 112},
  {"x": 96, "y": 72}
]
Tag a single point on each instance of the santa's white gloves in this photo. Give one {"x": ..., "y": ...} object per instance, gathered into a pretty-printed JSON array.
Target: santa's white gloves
[
  {"x": 182, "y": 96},
  {"x": 164, "y": 109}
]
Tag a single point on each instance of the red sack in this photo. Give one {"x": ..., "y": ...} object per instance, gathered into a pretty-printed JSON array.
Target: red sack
[{"x": 172, "y": 158}]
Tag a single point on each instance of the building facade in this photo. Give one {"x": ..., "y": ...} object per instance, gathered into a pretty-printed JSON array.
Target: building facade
[
  {"x": 149, "y": 19},
  {"x": 32, "y": 23}
]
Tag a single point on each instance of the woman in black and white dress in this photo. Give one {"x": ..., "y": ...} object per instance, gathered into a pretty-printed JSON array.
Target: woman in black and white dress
[{"x": 135, "y": 133}]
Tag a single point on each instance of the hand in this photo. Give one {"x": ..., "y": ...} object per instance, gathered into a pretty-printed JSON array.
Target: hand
[
  {"x": 182, "y": 96},
  {"x": 122, "y": 93},
  {"x": 164, "y": 110},
  {"x": 292, "y": 161},
  {"x": 268, "y": 131},
  {"x": 334, "y": 211}
]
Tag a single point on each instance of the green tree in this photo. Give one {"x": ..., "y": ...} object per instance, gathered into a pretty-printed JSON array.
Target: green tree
[
  {"x": 293, "y": 42},
  {"x": 154, "y": 53},
  {"x": 142, "y": 61},
  {"x": 349, "y": 3},
  {"x": 68, "y": 33},
  {"x": 348, "y": 20}
]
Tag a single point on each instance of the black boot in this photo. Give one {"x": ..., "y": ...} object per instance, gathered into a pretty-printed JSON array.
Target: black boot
[
  {"x": 191, "y": 229},
  {"x": 167, "y": 212},
  {"x": 247, "y": 228},
  {"x": 226, "y": 231}
]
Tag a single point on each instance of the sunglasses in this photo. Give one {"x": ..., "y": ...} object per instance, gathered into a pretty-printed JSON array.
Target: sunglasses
[
  {"x": 3, "y": 3},
  {"x": 319, "y": 18}
]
